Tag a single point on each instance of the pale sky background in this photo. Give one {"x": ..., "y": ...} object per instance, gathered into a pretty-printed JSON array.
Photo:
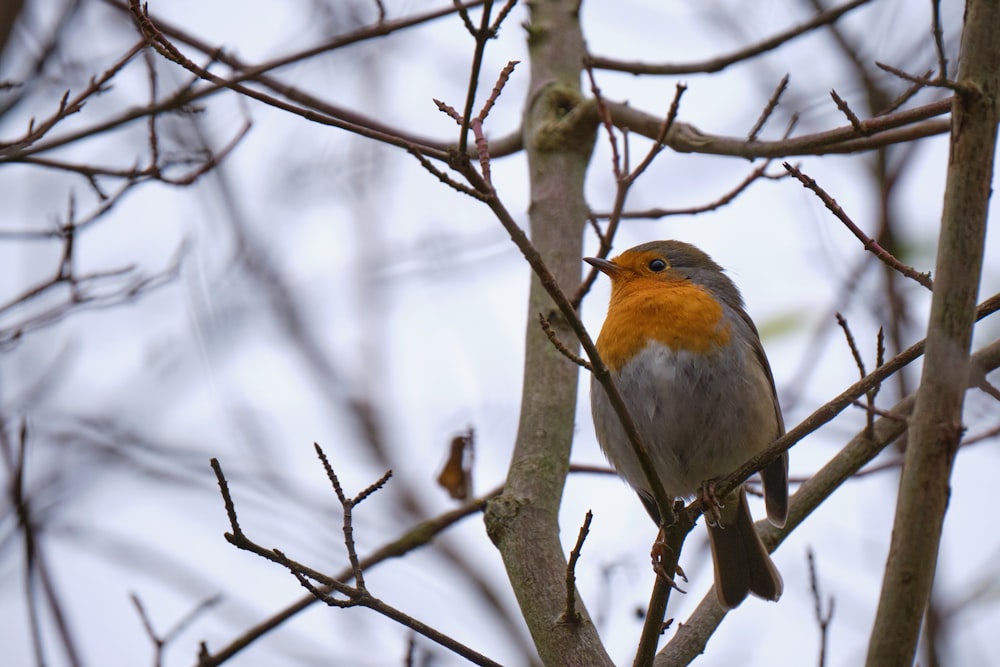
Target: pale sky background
[{"x": 416, "y": 297}]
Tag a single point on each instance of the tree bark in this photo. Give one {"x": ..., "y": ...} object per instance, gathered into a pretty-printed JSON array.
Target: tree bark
[
  {"x": 523, "y": 520},
  {"x": 936, "y": 425}
]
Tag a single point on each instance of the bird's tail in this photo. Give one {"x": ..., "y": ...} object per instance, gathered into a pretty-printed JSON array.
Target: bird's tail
[{"x": 742, "y": 565}]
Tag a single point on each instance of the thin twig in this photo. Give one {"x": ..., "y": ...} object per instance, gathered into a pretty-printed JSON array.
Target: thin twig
[
  {"x": 559, "y": 345},
  {"x": 769, "y": 108},
  {"x": 354, "y": 595},
  {"x": 869, "y": 243},
  {"x": 905, "y": 96},
  {"x": 443, "y": 177},
  {"x": 872, "y": 410},
  {"x": 481, "y": 35},
  {"x": 822, "y": 618},
  {"x": 160, "y": 643},
  {"x": 933, "y": 83},
  {"x": 604, "y": 115},
  {"x": 852, "y": 117},
  {"x": 69, "y": 106},
  {"x": 348, "y": 505},
  {"x": 658, "y": 140},
  {"x": 413, "y": 538},
  {"x": 497, "y": 89},
  {"x": 719, "y": 63},
  {"x": 502, "y": 16},
  {"x": 859, "y": 362},
  {"x": 939, "y": 40},
  {"x": 728, "y": 197},
  {"x": 571, "y": 615},
  {"x": 227, "y": 498}
]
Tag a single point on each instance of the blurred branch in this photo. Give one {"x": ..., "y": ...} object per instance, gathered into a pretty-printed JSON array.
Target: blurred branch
[
  {"x": 257, "y": 73},
  {"x": 39, "y": 583},
  {"x": 721, "y": 62},
  {"x": 45, "y": 48},
  {"x": 160, "y": 643},
  {"x": 772, "y": 104},
  {"x": 9, "y": 14},
  {"x": 823, "y": 617},
  {"x": 154, "y": 171},
  {"x": 100, "y": 289},
  {"x": 311, "y": 107},
  {"x": 67, "y": 106},
  {"x": 758, "y": 173}
]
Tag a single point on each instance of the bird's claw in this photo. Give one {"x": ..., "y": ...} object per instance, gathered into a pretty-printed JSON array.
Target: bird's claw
[
  {"x": 659, "y": 554},
  {"x": 710, "y": 503}
]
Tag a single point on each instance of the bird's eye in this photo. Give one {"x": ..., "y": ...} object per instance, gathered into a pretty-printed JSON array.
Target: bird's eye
[{"x": 657, "y": 265}]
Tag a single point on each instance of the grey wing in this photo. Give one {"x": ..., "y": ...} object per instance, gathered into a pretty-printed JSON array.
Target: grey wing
[{"x": 775, "y": 474}]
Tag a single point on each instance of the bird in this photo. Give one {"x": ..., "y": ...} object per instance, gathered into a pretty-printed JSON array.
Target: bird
[{"x": 688, "y": 362}]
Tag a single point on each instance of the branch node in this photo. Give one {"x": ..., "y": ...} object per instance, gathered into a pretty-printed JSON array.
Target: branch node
[
  {"x": 852, "y": 117},
  {"x": 769, "y": 108},
  {"x": 571, "y": 615},
  {"x": 559, "y": 345}
]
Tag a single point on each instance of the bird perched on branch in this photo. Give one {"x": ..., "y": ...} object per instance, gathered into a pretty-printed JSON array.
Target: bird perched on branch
[{"x": 688, "y": 362}]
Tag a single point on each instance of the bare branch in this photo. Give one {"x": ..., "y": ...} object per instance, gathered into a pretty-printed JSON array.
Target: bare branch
[
  {"x": 727, "y": 197},
  {"x": 851, "y": 116},
  {"x": 571, "y": 615},
  {"x": 939, "y": 41},
  {"x": 720, "y": 63},
  {"x": 901, "y": 126},
  {"x": 823, "y": 618},
  {"x": 870, "y": 244},
  {"x": 415, "y": 537},
  {"x": 559, "y": 345},
  {"x": 933, "y": 83},
  {"x": 769, "y": 108},
  {"x": 354, "y": 595},
  {"x": 904, "y": 97},
  {"x": 69, "y": 106}
]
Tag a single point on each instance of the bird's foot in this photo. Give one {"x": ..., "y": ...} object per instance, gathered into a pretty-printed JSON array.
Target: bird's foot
[
  {"x": 710, "y": 503},
  {"x": 661, "y": 553}
]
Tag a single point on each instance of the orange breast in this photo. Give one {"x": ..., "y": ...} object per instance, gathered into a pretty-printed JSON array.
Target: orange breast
[{"x": 680, "y": 315}]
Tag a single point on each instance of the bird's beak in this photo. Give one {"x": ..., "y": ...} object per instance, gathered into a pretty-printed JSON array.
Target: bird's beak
[{"x": 604, "y": 266}]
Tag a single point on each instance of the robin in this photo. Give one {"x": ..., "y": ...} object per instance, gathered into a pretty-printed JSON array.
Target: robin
[{"x": 689, "y": 364}]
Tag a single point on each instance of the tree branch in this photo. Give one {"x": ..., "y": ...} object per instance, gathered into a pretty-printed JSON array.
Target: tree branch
[{"x": 936, "y": 427}]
